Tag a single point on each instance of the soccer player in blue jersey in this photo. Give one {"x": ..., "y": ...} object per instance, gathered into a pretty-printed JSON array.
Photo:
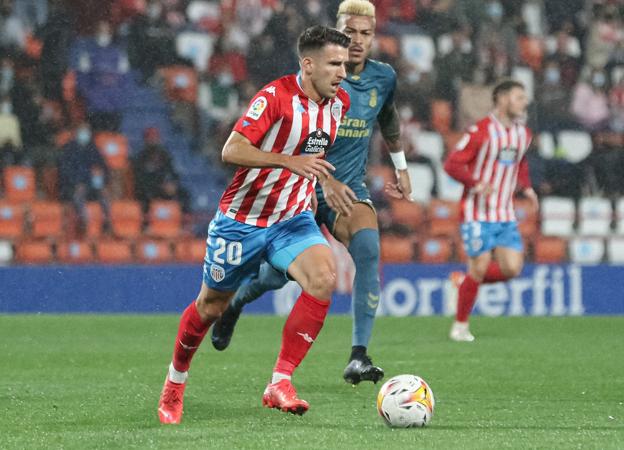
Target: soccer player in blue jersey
[{"x": 344, "y": 203}]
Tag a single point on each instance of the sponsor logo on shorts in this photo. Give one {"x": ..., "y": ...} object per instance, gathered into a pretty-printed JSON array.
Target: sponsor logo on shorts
[
  {"x": 257, "y": 108},
  {"x": 217, "y": 273}
]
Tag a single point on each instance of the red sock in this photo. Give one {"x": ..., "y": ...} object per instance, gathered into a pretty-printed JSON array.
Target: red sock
[
  {"x": 301, "y": 329},
  {"x": 494, "y": 274},
  {"x": 467, "y": 296},
  {"x": 190, "y": 334}
]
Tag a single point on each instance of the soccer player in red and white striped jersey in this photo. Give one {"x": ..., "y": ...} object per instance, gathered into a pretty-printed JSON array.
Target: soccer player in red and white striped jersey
[
  {"x": 490, "y": 161},
  {"x": 265, "y": 214}
]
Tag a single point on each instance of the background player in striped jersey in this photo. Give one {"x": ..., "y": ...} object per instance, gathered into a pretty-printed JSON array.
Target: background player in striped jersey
[
  {"x": 264, "y": 213},
  {"x": 344, "y": 204},
  {"x": 490, "y": 161}
]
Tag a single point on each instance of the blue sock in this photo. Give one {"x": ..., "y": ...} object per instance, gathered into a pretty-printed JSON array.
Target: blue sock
[
  {"x": 268, "y": 279},
  {"x": 364, "y": 249}
]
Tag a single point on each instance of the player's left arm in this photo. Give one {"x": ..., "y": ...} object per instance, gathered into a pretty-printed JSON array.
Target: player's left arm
[
  {"x": 524, "y": 183},
  {"x": 390, "y": 126}
]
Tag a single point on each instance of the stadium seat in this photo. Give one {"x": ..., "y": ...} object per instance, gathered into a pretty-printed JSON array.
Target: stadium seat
[
  {"x": 558, "y": 215},
  {"x": 165, "y": 219},
  {"x": 126, "y": 218},
  {"x": 549, "y": 250},
  {"x": 526, "y": 216},
  {"x": 111, "y": 251},
  {"x": 396, "y": 249},
  {"x": 75, "y": 252},
  {"x": 154, "y": 251},
  {"x": 443, "y": 218},
  {"x": 423, "y": 179},
  {"x": 181, "y": 84},
  {"x": 95, "y": 220},
  {"x": 195, "y": 46},
  {"x": 114, "y": 149},
  {"x": 585, "y": 250},
  {"x": 441, "y": 116},
  {"x": 435, "y": 251},
  {"x": 34, "y": 252},
  {"x": 431, "y": 145},
  {"x": 576, "y": 145},
  {"x": 619, "y": 216},
  {"x": 615, "y": 250},
  {"x": 11, "y": 220},
  {"x": 190, "y": 251},
  {"x": 546, "y": 145},
  {"x": 46, "y": 219},
  {"x": 408, "y": 214},
  {"x": 448, "y": 188},
  {"x": 19, "y": 183},
  {"x": 63, "y": 138},
  {"x": 6, "y": 252},
  {"x": 595, "y": 215}
]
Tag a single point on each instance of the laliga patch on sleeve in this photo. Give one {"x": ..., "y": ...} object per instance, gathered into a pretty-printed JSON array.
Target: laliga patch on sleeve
[
  {"x": 461, "y": 144},
  {"x": 257, "y": 108}
]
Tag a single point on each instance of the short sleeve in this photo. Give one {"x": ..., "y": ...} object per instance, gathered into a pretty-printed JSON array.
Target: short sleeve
[{"x": 262, "y": 113}]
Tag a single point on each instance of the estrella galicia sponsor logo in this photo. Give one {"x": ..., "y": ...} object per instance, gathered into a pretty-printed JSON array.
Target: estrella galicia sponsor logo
[
  {"x": 217, "y": 273},
  {"x": 507, "y": 156},
  {"x": 316, "y": 142}
]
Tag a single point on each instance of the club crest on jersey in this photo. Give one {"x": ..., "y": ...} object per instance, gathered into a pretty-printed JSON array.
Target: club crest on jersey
[
  {"x": 372, "y": 102},
  {"x": 336, "y": 111},
  {"x": 217, "y": 273},
  {"x": 316, "y": 142},
  {"x": 257, "y": 108},
  {"x": 507, "y": 156}
]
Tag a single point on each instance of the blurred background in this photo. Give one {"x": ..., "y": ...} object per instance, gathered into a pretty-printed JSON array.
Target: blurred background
[{"x": 113, "y": 114}]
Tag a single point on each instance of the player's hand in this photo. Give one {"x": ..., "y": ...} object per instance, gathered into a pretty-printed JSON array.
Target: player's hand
[
  {"x": 483, "y": 188},
  {"x": 532, "y": 196},
  {"x": 309, "y": 166},
  {"x": 402, "y": 189},
  {"x": 338, "y": 196}
]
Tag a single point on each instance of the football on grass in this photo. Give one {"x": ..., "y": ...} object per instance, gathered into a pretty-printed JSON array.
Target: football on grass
[{"x": 405, "y": 401}]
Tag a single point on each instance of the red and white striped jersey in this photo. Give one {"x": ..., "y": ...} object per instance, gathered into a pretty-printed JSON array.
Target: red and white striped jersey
[
  {"x": 490, "y": 153},
  {"x": 281, "y": 119}
]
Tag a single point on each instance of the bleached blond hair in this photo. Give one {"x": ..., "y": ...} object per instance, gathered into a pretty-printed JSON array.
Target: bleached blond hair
[{"x": 356, "y": 8}]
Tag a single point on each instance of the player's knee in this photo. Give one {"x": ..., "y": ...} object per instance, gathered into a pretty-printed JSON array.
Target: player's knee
[
  {"x": 512, "y": 270},
  {"x": 210, "y": 308},
  {"x": 322, "y": 282}
]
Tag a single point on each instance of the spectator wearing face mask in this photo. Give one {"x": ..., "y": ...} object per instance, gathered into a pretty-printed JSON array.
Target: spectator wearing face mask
[
  {"x": 83, "y": 174},
  {"x": 553, "y": 101},
  {"x": 9, "y": 124},
  {"x": 590, "y": 105},
  {"x": 102, "y": 76}
]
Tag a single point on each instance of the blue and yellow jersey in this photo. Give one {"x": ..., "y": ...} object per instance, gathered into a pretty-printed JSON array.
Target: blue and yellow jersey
[{"x": 370, "y": 90}]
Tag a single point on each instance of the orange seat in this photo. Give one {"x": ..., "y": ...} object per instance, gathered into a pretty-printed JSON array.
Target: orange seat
[
  {"x": 19, "y": 183},
  {"x": 408, "y": 214},
  {"x": 190, "y": 251},
  {"x": 154, "y": 252},
  {"x": 34, "y": 252},
  {"x": 396, "y": 249},
  {"x": 111, "y": 251},
  {"x": 75, "y": 252},
  {"x": 63, "y": 137},
  {"x": 550, "y": 250},
  {"x": 95, "y": 219},
  {"x": 46, "y": 219},
  {"x": 11, "y": 220},
  {"x": 441, "y": 115},
  {"x": 435, "y": 251},
  {"x": 443, "y": 218},
  {"x": 114, "y": 149},
  {"x": 526, "y": 216},
  {"x": 126, "y": 218},
  {"x": 181, "y": 83},
  {"x": 165, "y": 218}
]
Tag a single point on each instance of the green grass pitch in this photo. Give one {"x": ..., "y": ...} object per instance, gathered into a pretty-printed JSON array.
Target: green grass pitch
[{"x": 84, "y": 382}]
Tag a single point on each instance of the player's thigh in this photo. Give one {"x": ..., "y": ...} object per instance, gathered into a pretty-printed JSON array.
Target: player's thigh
[
  {"x": 298, "y": 247},
  {"x": 477, "y": 265},
  {"x": 233, "y": 254},
  {"x": 362, "y": 216},
  {"x": 509, "y": 250}
]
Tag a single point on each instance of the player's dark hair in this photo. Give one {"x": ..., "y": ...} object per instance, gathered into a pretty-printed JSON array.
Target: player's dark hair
[
  {"x": 504, "y": 87},
  {"x": 316, "y": 37}
]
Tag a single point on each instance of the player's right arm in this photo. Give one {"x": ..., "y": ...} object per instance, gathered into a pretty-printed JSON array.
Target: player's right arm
[
  {"x": 240, "y": 151},
  {"x": 459, "y": 162}
]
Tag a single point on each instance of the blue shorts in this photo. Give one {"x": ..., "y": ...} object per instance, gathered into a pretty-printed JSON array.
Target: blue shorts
[
  {"x": 235, "y": 250},
  {"x": 481, "y": 237},
  {"x": 326, "y": 215}
]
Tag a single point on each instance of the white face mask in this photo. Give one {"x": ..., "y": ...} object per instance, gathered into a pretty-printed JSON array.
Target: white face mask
[
  {"x": 6, "y": 108},
  {"x": 225, "y": 79},
  {"x": 83, "y": 136},
  {"x": 104, "y": 39},
  {"x": 154, "y": 10}
]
